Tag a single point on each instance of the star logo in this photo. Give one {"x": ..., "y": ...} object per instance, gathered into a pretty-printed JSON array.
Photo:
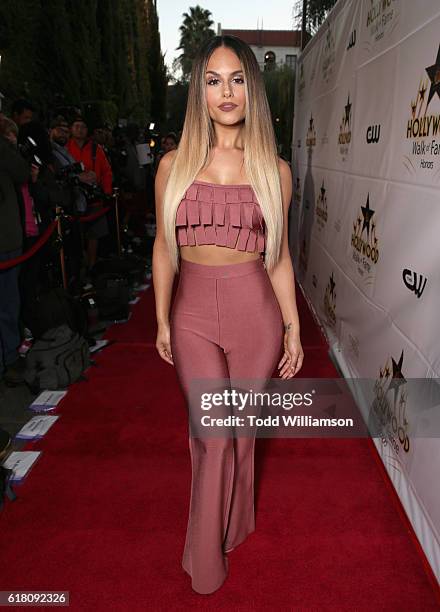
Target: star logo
[
  {"x": 347, "y": 117},
  {"x": 398, "y": 379},
  {"x": 367, "y": 213},
  {"x": 434, "y": 75},
  {"x": 332, "y": 286}
]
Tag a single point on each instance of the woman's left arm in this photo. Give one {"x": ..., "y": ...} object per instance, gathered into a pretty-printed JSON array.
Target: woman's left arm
[{"x": 283, "y": 282}]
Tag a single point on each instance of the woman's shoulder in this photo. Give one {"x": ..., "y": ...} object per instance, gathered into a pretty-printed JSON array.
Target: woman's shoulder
[
  {"x": 167, "y": 159},
  {"x": 164, "y": 167},
  {"x": 284, "y": 167},
  {"x": 286, "y": 180},
  {"x": 285, "y": 172}
]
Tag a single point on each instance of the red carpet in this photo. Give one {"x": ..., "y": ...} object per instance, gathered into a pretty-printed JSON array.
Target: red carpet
[{"x": 104, "y": 511}]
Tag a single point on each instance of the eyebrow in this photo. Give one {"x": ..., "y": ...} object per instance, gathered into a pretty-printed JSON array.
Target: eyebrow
[{"x": 218, "y": 74}]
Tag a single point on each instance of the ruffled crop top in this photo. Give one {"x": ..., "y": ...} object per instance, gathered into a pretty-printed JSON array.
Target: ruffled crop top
[{"x": 225, "y": 215}]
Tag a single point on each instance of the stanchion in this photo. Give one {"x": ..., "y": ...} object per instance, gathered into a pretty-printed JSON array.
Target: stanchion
[
  {"x": 60, "y": 236},
  {"x": 118, "y": 229}
]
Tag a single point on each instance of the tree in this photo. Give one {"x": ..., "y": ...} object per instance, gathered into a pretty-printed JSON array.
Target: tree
[
  {"x": 316, "y": 12},
  {"x": 157, "y": 69},
  {"x": 20, "y": 25},
  {"x": 280, "y": 91},
  {"x": 194, "y": 31},
  {"x": 103, "y": 55},
  {"x": 54, "y": 55},
  {"x": 86, "y": 48}
]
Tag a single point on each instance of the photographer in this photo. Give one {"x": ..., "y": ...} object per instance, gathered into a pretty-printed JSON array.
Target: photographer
[
  {"x": 73, "y": 199},
  {"x": 14, "y": 171},
  {"x": 29, "y": 269},
  {"x": 22, "y": 112},
  {"x": 98, "y": 173}
]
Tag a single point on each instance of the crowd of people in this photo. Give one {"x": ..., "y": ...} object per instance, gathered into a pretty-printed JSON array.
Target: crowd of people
[{"x": 66, "y": 170}]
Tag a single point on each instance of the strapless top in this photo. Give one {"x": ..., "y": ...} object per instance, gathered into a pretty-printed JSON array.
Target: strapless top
[{"x": 225, "y": 215}]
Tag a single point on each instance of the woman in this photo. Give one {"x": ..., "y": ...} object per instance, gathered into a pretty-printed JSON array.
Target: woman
[
  {"x": 29, "y": 271},
  {"x": 222, "y": 201}
]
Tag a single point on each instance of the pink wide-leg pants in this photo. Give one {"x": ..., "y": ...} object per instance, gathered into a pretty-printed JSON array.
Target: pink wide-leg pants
[{"x": 226, "y": 323}]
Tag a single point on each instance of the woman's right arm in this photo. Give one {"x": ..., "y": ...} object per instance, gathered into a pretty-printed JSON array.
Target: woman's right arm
[{"x": 163, "y": 273}]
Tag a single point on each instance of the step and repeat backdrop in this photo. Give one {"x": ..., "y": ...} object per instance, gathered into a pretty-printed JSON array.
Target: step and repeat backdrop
[{"x": 365, "y": 222}]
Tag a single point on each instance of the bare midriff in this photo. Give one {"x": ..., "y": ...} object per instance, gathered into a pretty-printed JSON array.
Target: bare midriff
[{"x": 213, "y": 255}]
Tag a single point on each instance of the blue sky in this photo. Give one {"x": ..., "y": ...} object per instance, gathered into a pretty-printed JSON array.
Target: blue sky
[{"x": 272, "y": 14}]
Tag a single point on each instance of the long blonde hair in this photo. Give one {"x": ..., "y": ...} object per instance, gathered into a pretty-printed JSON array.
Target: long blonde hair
[{"x": 198, "y": 137}]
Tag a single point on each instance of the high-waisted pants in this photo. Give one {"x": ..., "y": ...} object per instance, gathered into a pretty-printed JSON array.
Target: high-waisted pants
[{"x": 225, "y": 323}]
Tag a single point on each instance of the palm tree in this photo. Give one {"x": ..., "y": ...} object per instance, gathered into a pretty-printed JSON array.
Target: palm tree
[{"x": 194, "y": 31}]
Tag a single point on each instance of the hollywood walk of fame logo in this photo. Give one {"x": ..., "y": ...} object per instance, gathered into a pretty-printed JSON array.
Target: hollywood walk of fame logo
[
  {"x": 423, "y": 124},
  {"x": 364, "y": 241},
  {"x": 344, "y": 138},
  {"x": 389, "y": 405},
  {"x": 321, "y": 208}
]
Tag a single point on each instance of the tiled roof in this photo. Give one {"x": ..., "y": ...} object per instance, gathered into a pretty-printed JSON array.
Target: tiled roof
[{"x": 267, "y": 38}]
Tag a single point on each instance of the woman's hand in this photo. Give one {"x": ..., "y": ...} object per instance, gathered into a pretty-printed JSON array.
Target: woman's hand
[
  {"x": 292, "y": 359},
  {"x": 88, "y": 177},
  {"x": 163, "y": 343}
]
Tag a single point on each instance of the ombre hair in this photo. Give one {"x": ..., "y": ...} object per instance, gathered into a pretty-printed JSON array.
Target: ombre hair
[{"x": 198, "y": 137}]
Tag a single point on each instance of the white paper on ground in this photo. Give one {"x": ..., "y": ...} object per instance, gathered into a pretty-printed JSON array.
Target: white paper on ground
[
  {"x": 143, "y": 154},
  {"x": 112, "y": 322},
  {"x": 36, "y": 427},
  {"x": 142, "y": 287},
  {"x": 20, "y": 462},
  {"x": 47, "y": 400},
  {"x": 99, "y": 345},
  {"x": 135, "y": 300}
]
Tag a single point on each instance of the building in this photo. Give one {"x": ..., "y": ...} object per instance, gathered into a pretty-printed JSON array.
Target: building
[{"x": 272, "y": 48}]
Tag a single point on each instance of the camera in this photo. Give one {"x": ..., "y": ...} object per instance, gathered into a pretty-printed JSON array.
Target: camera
[
  {"x": 28, "y": 150},
  {"x": 70, "y": 173},
  {"x": 93, "y": 193}
]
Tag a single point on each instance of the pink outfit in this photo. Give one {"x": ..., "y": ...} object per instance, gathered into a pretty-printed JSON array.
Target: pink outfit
[
  {"x": 31, "y": 227},
  {"x": 225, "y": 215},
  {"x": 225, "y": 323}
]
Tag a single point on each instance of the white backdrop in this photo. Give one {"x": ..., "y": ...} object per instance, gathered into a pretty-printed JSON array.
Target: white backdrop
[{"x": 365, "y": 217}]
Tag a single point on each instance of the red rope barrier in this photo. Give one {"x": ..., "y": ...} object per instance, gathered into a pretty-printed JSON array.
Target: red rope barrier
[
  {"x": 91, "y": 217},
  {"x": 41, "y": 240},
  {"x": 4, "y": 265}
]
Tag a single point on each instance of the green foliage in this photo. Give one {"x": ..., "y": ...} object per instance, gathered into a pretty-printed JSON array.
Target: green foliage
[
  {"x": 280, "y": 90},
  {"x": 102, "y": 55},
  {"x": 317, "y": 11},
  {"x": 194, "y": 31}
]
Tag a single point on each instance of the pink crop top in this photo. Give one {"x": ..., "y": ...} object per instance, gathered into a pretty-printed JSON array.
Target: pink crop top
[{"x": 225, "y": 215}]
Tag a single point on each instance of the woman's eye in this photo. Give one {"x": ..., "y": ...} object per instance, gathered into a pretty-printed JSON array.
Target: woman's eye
[{"x": 211, "y": 81}]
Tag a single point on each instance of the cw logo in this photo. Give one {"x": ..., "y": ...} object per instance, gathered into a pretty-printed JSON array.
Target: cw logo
[
  {"x": 414, "y": 282},
  {"x": 373, "y": 133},
  {"x": 352, "y": 40}
]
